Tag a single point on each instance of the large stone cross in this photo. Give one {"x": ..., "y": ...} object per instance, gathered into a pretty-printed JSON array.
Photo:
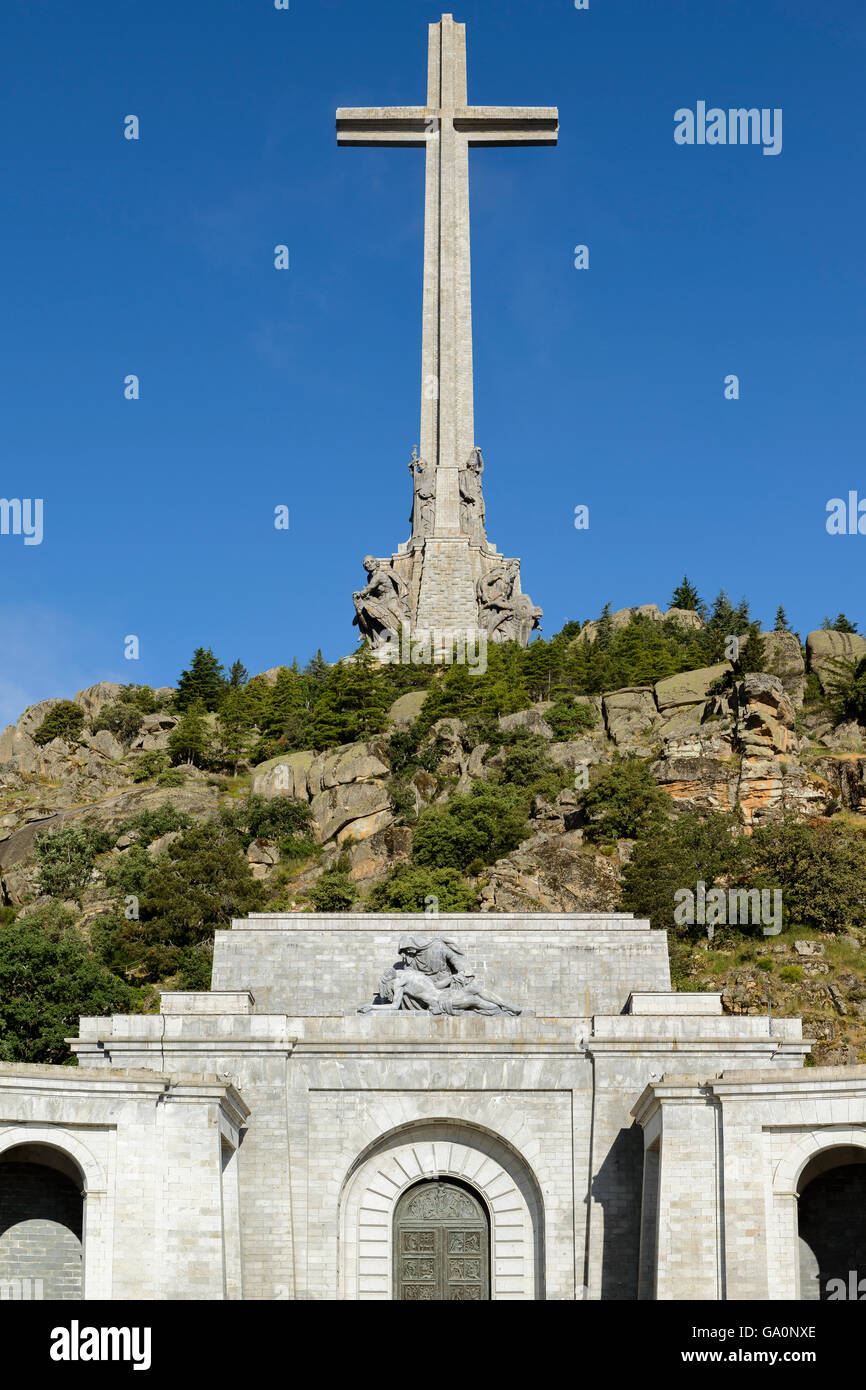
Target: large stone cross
[{"x": 446, "y": 127}]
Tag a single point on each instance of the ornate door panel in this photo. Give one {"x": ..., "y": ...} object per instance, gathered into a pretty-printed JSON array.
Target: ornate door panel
[{"x": 441, "y": 1245}]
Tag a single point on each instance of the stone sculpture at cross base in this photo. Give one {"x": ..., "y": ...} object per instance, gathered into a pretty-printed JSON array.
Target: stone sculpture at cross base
[
  {"x": 382, "y": 605},
  {"x": 432, "y": 975},
  {"x": 448, "y": 577}
]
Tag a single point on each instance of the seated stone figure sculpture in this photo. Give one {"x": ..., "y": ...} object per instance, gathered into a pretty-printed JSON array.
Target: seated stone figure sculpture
[
  {"x": 431, "y": 975},
  {"x": 382, "y": 605}
]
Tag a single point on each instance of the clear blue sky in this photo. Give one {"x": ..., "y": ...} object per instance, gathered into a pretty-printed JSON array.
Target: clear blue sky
[{"x": 261, "y": 388}]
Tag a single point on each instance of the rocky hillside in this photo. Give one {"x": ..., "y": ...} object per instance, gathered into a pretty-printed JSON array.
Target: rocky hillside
[{"x": 762, "y": 746}]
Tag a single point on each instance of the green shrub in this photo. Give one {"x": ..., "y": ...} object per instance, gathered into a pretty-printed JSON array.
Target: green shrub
[
  {"x": 403, "y": 803},
  {"x": 792, "y": 973},
  {"x": 190, "y": 739},
  {"x": 149, "y": 765},
  {"x": 142, "y": 697},
  {"x": 64, "y": 720},
  {"x": 129, "y": 872},
  {"x": 410, "y": 889},
  {"x": 48, "y": 978},
  {"x": 172, "y": 777},
  {"x": 569, "y": 718},
  {"x": 412, "y": 749},
  {"x": 195, "y": 887},
  {"x": 122, "y": 719},
  {"x": 66, "y": 857},
  {"x": 621, "y": 801},
  {"x": 151, "y": 824},
  {"x": 334, "y": 892},
  {"x": 821, "y": 870},
  {"x": 528, "y": 764},
  {"x": 283, "y": 819},
  {"x": 678, "y": 852},
  {"x": 485, "y": 825}
]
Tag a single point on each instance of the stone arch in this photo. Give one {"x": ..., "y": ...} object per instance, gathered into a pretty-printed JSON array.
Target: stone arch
[
  {"x": 66, "y": 1145},
  {"x": 792, "y": 1164},
  {"x": 831, "y": 1223},
  {"x": 807, "y": 1155},
  {"x": 429, "y": 1149},
  {"x": 56, "y": 1148},
  {"x": 41, "y": 1223}
]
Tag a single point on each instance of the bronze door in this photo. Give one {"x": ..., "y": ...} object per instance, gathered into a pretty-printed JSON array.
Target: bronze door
[{"x": 441, "y": 1245}]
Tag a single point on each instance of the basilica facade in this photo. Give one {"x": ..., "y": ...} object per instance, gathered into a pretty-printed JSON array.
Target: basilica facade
[{"x": 452, "y": 1107}]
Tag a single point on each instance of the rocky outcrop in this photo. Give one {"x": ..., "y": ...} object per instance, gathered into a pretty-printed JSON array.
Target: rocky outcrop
[
  {"x": 18, "y": 751},
  {"x": 631, "y": 716},
  {"x": 783, "y": 658},
  {"x": 764, "y": 717},
  {"x": 105, "y": 743},
  {"x": 96, "y": 697},
  {"x": 529, "y": 719},
  {"x": 580, "y": 752},
  {"x": 284, "y": 776},
  {"x": 154, "y": 733},
  {"x": 262, "y": 856},
  {"x": 845, "y": 778},
  {"x": 406, "y": 708},
  {"x": 197, "y": 799},
  {"x": 688, "y": 687},
  {"x": 739, "y": 751},
  {"x": 743, "y": 757},
  {"x": 34, "y": 715},
  {"x": 823, "y": 648},
  {"x": 374, "y": 856},
  {"x": 345, "y": 787},
  {"x": 684, "y": 617},
  {"x": 551, "y": 873}
]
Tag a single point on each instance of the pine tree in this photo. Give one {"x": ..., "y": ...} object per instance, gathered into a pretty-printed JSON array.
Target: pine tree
[
  {"x": 189, "y": 740},
  {"x": 317, "y": 667},
  {"x": 238, "y": 675},
  {"x": 781, "y": 624},
  {"x": 353, "y": 704},
  {"x": 285, "y": 699},
  {"x": 204, "y": 682},
  {"x": 842, "y": 624},
  {"x": 604, "y": 629},
  {"x": 685, "y": 595},
  {"x": 235, "y": 726}
]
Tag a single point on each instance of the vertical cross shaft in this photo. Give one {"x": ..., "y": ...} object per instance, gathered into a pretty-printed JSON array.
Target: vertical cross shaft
[
  {"x": 447, "y": 407},
  {"x": 447, "y": 126}
]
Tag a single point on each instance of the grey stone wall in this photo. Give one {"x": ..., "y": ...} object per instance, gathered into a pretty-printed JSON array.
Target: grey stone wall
[
  {"x": 40, "y": 1229},
  {"x": 556, "y": 965}
]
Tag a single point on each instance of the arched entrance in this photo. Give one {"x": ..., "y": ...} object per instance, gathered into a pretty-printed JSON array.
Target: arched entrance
[
  {"x": 41, "y": 1224},
  {"x": 441, "y": 1244},
  {"x": 832, "y": 1224},
  {"x": 437, "y": 1152}
]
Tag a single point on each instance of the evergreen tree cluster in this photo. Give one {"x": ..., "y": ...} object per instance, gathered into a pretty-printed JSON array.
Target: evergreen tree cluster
[{"x": 228, "y": 719}]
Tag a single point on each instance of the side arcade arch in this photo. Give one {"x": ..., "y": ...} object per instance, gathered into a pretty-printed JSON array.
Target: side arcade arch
[{"x": 53, "y": 1205}]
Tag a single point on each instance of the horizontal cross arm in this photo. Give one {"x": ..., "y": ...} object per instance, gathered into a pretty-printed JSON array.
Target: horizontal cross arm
[
  {"x": 383, "y": 125},
  {"x": 508, "y": 125}
]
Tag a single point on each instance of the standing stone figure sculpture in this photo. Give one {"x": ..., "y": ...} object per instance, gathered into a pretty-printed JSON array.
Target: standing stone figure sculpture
[
  {"x": 432, "y": 975},
  {"x": 382, "y": 605},
  {"x": 472, "y": 498},
  {"x": 506, "y": 616},
  {"x": 423, "y": 496}
]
